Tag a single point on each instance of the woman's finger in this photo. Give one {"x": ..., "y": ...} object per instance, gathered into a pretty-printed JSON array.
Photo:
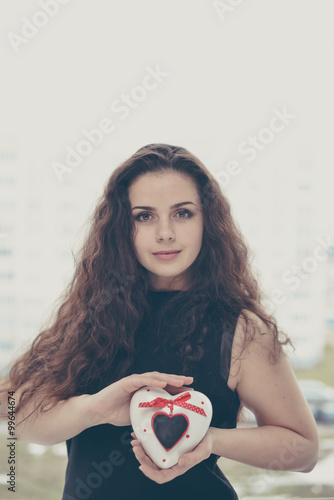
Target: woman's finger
[
  {"x": 163, "y": 375},
  {"x": 152, "y": 471},
  {"x": 160, "y": 476},
  {"x": 176, "y": 390},
  {"x": 167, "y": 377},
  {"x": 143, "y": 458},
  {"x": 135, "y": 382}
]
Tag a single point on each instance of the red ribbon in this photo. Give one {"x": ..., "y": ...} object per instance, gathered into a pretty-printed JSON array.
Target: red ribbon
[{"x": 179, "y": 401}]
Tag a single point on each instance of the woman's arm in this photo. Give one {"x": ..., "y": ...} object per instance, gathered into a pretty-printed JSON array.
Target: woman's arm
[
  {"x": 286, "y": 437},
  {"x": 72, "y": 416},
  {"x": 65, "y": 420}
]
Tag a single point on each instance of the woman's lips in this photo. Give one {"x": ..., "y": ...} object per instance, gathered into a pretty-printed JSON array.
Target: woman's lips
[{"x": 167, "y": 256}]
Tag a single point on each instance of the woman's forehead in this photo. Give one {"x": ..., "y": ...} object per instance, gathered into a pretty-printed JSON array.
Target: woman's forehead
[{"x": 163, "y": 186}]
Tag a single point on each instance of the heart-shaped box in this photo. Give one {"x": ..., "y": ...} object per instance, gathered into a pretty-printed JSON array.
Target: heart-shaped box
[{"x": 168, "y": 426}]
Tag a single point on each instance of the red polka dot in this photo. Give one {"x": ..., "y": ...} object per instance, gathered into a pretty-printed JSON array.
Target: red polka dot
[
  {"x": 148, "y": 390},
  {"x": 202, "y": 402},
  {"x": 164, "y": 460},
  {"x": 144, "y": 430},
  {"x": 187, "y": 436}
]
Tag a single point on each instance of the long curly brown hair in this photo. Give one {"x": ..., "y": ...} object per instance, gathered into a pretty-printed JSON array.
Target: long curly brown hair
[{"x": 88, "y": 342}]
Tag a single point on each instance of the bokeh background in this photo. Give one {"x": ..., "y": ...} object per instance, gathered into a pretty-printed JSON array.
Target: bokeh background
[{"x": 247, "y": 86}]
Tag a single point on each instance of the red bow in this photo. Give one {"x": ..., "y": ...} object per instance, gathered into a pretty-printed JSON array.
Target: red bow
[{"x": 179, "y": 401}]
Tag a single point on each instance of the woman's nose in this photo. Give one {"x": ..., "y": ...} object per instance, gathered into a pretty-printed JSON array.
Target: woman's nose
[{"x": 165, "y": 229}]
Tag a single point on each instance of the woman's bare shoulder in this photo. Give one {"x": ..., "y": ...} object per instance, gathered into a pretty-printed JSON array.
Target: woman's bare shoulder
[
  {"x": 252, "y": 332},
  {"x": 253, "y": 340}
]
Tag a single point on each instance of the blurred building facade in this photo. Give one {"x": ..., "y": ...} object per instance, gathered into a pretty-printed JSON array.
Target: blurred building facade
[
  {"x": 9, "y": 213},
  {"x": 36, "y": 226},
  {"x": 277, "y": 212},
  {"x": 330, "y": 288}
]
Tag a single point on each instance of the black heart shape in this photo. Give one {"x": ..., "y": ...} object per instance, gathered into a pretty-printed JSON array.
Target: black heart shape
[{"x": 169, "y": 429}]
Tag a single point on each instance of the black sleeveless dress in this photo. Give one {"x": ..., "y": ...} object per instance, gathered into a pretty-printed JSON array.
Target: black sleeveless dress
[{"x": 101, "y": 463}]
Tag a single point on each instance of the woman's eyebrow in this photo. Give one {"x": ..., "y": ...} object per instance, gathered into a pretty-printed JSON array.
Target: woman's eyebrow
[{"x": 173, "y": 206}]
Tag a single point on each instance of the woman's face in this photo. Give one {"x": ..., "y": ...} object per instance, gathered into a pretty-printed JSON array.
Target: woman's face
[{"x": 168, "y": 217}]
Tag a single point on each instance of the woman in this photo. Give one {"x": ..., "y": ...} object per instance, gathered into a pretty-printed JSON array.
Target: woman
[{"x": 163, "y": 285}]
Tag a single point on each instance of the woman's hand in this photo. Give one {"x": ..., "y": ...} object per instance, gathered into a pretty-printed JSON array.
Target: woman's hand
[
  {"x": 186, "y": 461},
  {"x": 112, "y": 404}
]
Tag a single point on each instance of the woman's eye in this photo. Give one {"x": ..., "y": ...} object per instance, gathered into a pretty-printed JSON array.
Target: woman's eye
[
  {"x": 185, "y": 212},
  {"x": 143, "y": 217}
]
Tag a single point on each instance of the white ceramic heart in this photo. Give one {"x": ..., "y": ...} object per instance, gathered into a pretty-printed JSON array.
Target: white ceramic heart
[{"x": 164, "y": 437}]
